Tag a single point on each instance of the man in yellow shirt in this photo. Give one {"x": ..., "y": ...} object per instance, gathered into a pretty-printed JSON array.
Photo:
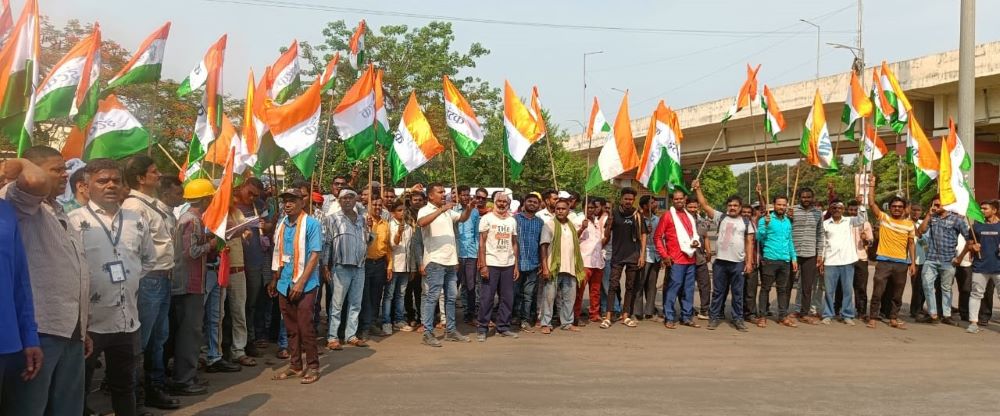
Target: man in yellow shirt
[
  {"x": 895, "y": 249},
  {"x": 378, "y": 266}
]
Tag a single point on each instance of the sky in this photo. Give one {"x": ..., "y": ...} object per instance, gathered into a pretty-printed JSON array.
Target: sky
[{"x": 682, "y": 52}]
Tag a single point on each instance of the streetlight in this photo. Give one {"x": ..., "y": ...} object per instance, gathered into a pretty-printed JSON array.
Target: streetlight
[
  {"x": 585, "y": 55},
  {"x": 620, "y": 90},
  {"x": 818, "y": 30},
  {"x": 859, "y": 55}
]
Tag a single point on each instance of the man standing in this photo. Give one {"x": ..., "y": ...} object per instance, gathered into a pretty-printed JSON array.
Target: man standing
[
  {"x": 592, "y": 249},
  {"x": 378, "y": 267},
  {"x": 143, "y": 180},
  {"x": 645, "y": 299},
  {"x": 414, "y": 287},
  {"x": 735, "y": 240},
  {"x": 562, "y": 268},
  {"x": 60, "y": 284},
  {"x": 752, "y": 279},
  {"x": 862, "y": 236},
  {"x": 344, "y": 255},
  {"x": 627, "y": 233},
  {"x": 986, "y": 263},
  {"x": 774, "y": 233},
  {"x": 840, "y": 254},
  {"x": 299, "y": 241},
  {"x": 255, "y": 250},
  {"x": 702, "y": 256},
  {"x": 677, "y": 240},
  {"x": 548, "y": 200},
  {"x": 437, "y": 224},
  {"x": 529, "y": 231},
  {"x": 467, "y": 237},
  {"x": 119, "y": 251},
  {"x": 191, "y": 247},
  {"x": 497, "y": 259},
  {"x": 942, "y": 229},
  {"x": 807, "y": 235},
  {"x": 895, "y": 249},
  {"x": 916, "y": 280}
]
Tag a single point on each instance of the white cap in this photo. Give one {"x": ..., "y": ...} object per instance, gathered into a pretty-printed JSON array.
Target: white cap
[{"x": 564, "y": 195}]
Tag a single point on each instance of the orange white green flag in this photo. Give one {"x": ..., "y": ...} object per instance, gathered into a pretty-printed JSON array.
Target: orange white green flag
[
  {"x": 897, "y": 99},
  {"x": 856, "y": 106},
  {"x": 146, "y": 63},
  {"x": 520, "y": 130},
  {"x": 816, "y": 145},
  {"x": 284, "y": 79},
  {"x": 217, "y": 213},
  {"x": 354, "y": 118},
  {"x": 414, "y": 144},
  {"x": 357, "y": 46},
  {"x": 383, "y": 135},
  {"x": 19, "y": 62},
  {"x": 461, "y": 119},
  {"x": 874, "y": 147},
  {"x": 747, "y": 94},
  {"x": 881, "y": 108},
  {"x": 660, "y": 164},
  {"x": 207, "y": 73},
  {"x": 251, "y": 128},
  {"x": 330, "y": 73},
  {"x": 597, "y": 124},
  {"x": 956, "y": 195},
  {"x": 920, "y": 154},
  {"x": 295, "y": 126},
  {"x": 62, "y": 90},
  {"x": 774, "y": 121},
  {"x": 618, "y": 154},
  {"x": 114, "y": 133},
  {"x": 536, "y": 112}
]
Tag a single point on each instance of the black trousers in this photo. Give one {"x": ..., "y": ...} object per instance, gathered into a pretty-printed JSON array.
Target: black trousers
[
  {"x": 807, "y": 282},
  {"x": 704, "y": 280},
  {"x": 412, "y": 298},
  {"x": 121, "y": 353},
  {"x": 750, "y": 294},
  {"x": 631, "y": 278},
  {"x": 189, "y": 312},
  {"x": 645, "y": 299},
  {"x": 778, "y": 274},
  {"x": 887, "y": 272}
]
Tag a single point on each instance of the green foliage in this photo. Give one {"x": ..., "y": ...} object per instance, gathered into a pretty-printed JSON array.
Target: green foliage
[{"x": 717, "y": 184}]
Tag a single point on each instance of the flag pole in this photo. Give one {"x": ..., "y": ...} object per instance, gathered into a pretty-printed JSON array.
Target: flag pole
[
  {"x": 709, "y": 155},
  {"x": 503, "y": 162},
  {"x": 552, "y": 162},
  {"x": 169, "y": 157},
  {"x": 454, "y": 166},
  {"x": 381, "y": 173},
  {"x": 326, "y": 143},
  {"x": 795, "y": 188},
  {"x": 371, "y": 171}
]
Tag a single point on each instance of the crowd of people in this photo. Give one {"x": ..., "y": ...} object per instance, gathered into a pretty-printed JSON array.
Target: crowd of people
[{"x": 124, "y": 274}]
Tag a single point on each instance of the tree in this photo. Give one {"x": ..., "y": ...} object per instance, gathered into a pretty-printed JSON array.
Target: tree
[{"x": 717, "y": 184}]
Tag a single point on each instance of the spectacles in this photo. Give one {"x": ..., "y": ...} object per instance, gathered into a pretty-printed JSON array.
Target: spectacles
[
  {"x": 897, "y": 206},
  {"x": 480, "y": 197}
]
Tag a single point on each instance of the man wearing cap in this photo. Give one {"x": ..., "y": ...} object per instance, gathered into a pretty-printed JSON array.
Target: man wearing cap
[
  {"x": 437, "y": 222},
  {"x": 344, "y": 253},
  {"x": 299, "y": 242},
  {"x": 191, "y": 247}
]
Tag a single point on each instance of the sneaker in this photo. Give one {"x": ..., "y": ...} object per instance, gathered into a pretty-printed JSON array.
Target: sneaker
[
  {"x": 525, "y": 326},
  {"x": 826, "y": 321},
  {"x": 849, "y": 322},
  {"x": 481, "y": 337},
  {"x": 702, "y": 316},
  {"x": 714, "y": 323},
  {"x": 429, "y": 340},
  {"x": 223, "y": 366},
  {"x": 398, "y": 326},
  {"x": 386, "y": 329},
  {"x": 455, "y": 336},
  {"x": 948, "y": 321},
  {"x": 509, "y": 334},
  {"x": 740, "y": 326},
  {"x": 406, "y": 328},
  {"x": 973, "y": 328}
]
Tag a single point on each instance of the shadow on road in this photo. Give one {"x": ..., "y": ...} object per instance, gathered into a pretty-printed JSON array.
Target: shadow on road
[{"x": 243, "y": 406}]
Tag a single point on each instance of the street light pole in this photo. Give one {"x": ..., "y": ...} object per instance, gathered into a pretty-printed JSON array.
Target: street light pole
[
  {"x": 967, "y": 83},
  {"x": 587, "y": 117},
  {"x": 818, "y": 31}
]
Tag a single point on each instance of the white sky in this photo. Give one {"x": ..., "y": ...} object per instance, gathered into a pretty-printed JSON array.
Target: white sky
[{"x": 683, "y": 69}]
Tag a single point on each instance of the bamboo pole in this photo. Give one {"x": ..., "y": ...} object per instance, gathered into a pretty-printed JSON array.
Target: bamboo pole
[
  {"x": 709, "y": 155},
  {"x": 795, "y": 188},
  {"x": 454, "y": 167},
  {"x": 326, "y": 143},
  {"x": 170, "y": 157},
  {"x": 552, "y": 162}
]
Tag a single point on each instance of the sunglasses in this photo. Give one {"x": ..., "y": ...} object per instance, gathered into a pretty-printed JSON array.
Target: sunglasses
[{"x": 897, "y": 206}]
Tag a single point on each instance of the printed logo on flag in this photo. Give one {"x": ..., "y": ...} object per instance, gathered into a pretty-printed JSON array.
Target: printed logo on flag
[{"x": 454, "y": 117}]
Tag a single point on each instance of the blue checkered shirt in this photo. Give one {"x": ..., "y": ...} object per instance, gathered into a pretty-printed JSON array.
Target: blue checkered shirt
[
  {"x": 529, "y": 234},
  {"x": 942, "y": 237}
]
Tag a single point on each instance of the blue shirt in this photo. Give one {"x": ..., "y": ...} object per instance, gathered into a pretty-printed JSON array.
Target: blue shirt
[
  {"x": 17, "y": 309},
  {"x": 468, "y": 236},
  {"x": 314, "y": 243},
  {"x": 988, "y": 236},
  {"x": 529, "y": 234},
  {"x": 942, "y": 236},
  {"x": 776, "y": 238}
]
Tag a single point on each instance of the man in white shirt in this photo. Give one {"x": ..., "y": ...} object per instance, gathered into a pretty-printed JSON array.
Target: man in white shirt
[
  {"x": 562, "y": 268},
  {"x": 591, "y": 234},
  {"x": 839, "y": 254},
  {"x": 440, "y": 260},
  {"x": 497, "y": 266}
]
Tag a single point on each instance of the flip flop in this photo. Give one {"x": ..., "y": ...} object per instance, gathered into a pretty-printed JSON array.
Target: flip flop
[
  {"x": 605, "y": 324},
  {"x": 286, "y": 374}
]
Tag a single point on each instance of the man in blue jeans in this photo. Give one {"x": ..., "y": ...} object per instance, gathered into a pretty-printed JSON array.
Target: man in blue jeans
[
  {"x": 677, "y": 240},
  {"x": 735, "y": 240},
  {"x": 529, "y": 231},
  {"x": 437, "y": 225},
  {"x": 839, "y": 253},
  {"x": 942, "y": 229},
  {"x": 344, "y": 253}
]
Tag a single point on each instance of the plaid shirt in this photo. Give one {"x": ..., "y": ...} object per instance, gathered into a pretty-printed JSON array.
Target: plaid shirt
[
  {"x": 529, "y": 234},
  {"x": 942, "y": 236}
]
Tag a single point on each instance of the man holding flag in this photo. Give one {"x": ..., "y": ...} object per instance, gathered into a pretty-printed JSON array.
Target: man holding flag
[{"x": 943, "y": 229}]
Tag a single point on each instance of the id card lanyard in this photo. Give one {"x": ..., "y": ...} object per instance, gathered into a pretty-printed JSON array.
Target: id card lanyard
[{"x": 113, "y": 239}]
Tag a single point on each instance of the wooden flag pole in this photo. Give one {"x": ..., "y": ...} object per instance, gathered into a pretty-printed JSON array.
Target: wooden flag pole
[
  {"x": 795, "y": 188},
  {"x": 552, "y": 162},
  {"x": 170, "y": 157},
  {"x": 371, "y": 171},
  {"x": 381, "y": 173},
  {"x": 326, "y": 143},
  {"x": 709, "y": 155},
  {"x": 503, "y": 164},
  {"x": 454, "y": 166}
]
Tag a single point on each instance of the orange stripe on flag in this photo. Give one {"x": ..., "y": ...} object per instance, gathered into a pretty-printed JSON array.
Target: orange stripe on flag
[
  {"x": 623, "y": 137},
  {"x": 420, "y": 128},
  {"x": 218, "y": 210},
  {"x": 358, "y": 91}
]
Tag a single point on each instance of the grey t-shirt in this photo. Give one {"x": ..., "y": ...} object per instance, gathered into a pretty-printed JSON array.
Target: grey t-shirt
[{"x": 731, "y": 242}]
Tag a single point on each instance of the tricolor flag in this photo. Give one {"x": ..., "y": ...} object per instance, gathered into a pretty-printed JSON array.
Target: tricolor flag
[
  {"x": 354, "y": 118},
  {"x": 856, "y": 106},
  {"x": 330, "y": 73},
  {"x": 461, "y": 120},
  {"x": 59, "y": 93},
  {"x": 295, "y": 126},
  {"x": 267, "y": 152},
  {"x": 874, "y": 148},
  {"x": 881, "y": 108},
  {"x": 285, "y": 81},
  {"x": 816, "y": 145},
  {"x": 217, "y": 213},
  {"x": 6, "y": 23},
  {"x": 520, "y": 130},
  {"x": 113, "y": 133},
  {"x": 383, "y": 135},
  {"x": 536, "y": 112},
  {"x": 920, "y": 154},
  {"x": 747, "y": 94},
  {"x": 19, "y": 61},
  {"x": 357, "y": 45},
  {"x": 228, "y": 140},
  {"x": 596, "y": 122},
  {"x": 201, "y": 140},
  {"x": 895, "y": 96},
  {"x": 414, "y": 144},
  {"x": 618, "y": 154},
  {"x": 956, "y": 195},
  {"x": 774, "y": 121},
  {"x": 660, "y": 165},
  {"x": 146, "y": 63},
  {"x": 208, "y": 72}
]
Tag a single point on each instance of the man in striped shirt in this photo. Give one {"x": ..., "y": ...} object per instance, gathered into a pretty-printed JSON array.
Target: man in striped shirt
[
  {"x": 809, "y": 238},
  {"x": 344, "y": 254}
]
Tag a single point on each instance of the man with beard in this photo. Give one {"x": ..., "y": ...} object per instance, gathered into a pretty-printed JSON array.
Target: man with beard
[
  {"x": 677, "y": 240},
  {"x": 734, "y": 242},
  {"x": 529, "y": 231},
  {"x": 942, "y": 229},
  {"x": 497, "y": 266},
  {"x": 895, "y": 251},
  {"x": 467, "y": 236},
  {"x": 646, "y": 286},
  {"x": 808, "y": 237},
  {"x": 562, "y": 268},
  {"x": 774, "y": 234},
  {"x": 627, "y": 233}
]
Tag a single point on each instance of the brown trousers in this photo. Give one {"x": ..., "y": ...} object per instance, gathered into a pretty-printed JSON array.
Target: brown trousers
[
  {"x": 301, "y": 331},
  {"x": 894, "y": 274}
]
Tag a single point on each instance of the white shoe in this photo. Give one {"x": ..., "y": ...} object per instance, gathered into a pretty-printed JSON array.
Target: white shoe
[
  {"x": 826, "y": 321},
  {"x": 849, "y": 322}
]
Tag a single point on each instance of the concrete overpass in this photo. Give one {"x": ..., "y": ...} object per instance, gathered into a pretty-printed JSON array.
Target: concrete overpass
[{"x": 930, "y": 82}]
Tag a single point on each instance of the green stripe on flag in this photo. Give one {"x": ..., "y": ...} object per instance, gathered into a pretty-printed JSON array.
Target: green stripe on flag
[
  {"x": 288, "y": 91},
  {"x": 463, "y": 143},
  {"x": 55, "y": 104},
  {"x": 397, "y": 167},
  {"x": 88, "y": 108},
  {"x": 666, "y": 173},
  {"x": 922, "y": 179},
  {"x": 185, "y": 87},
  {"x": 306, "y": 161},
  {"x": 15, "y": 98},
  {"x": 117, "y": 144},
  {"x": 268, "y": 153},
  {"x": 849, "y": 133},
  {"x": 138, "y": 75},
  {"x": 361, "y": 145},
  {"x": 515, "y": 167},
  {"x": 594, "y": 179}
]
